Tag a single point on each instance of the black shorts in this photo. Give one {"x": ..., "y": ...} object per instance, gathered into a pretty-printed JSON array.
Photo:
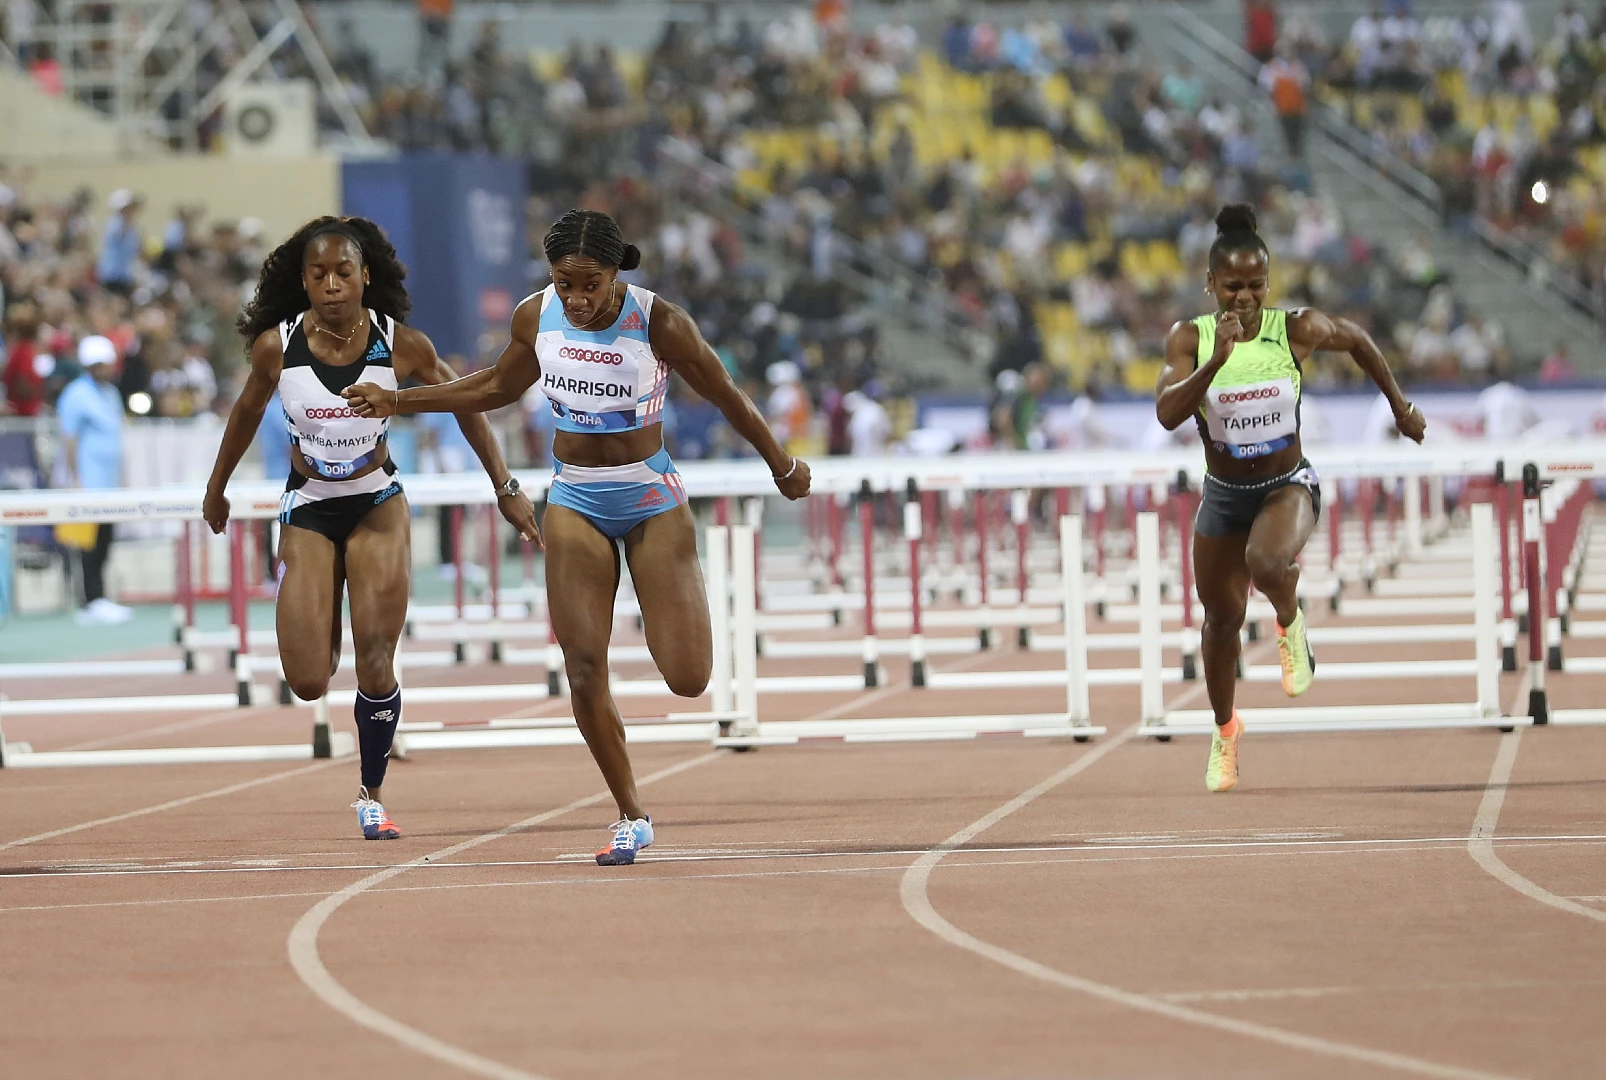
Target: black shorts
[
  {"x": 307, "y": 506},
  {"x": 1228, "y": 508}
]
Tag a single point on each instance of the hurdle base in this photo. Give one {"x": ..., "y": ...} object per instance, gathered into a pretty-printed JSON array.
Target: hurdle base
[
  {"x": 917, "y": 674},
  {"x": 1508, "y": 658},
  {"x": 322, "y": 747},
  {"x": 1538, "y": 706},
  {"x": 916, "y": 729},
  {"x": 1359, "y": 718},
  {"x": 1190, "y": 667}
]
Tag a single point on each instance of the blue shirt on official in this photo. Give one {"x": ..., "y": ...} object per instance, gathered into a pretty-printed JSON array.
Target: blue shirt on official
[{"x": 91, "y": 413}]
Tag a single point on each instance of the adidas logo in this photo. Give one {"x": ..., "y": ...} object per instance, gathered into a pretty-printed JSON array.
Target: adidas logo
[
  {"x": 653, "y": 497},
  {"x": 377, "y": 351},
  {"x": 633, "y": 322}
]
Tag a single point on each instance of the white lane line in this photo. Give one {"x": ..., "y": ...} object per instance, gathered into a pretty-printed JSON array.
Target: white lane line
[
  {"x": 309, "y": 967},
  {"x": 1086, "y": 855},
  {"x": 173, "y": 804},
  {"x": 1309, "y": 992},
  {"x": 917, "y": 902},
  {"x": 642, "y": 880},
  {"x": 1481, "y": 844},
  {"x": 914, "y": 892}
]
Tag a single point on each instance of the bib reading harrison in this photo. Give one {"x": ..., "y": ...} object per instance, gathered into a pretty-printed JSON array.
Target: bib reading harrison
[
  {"x": 1237, "y": 374},
  {"x": 602, "y": 352}
]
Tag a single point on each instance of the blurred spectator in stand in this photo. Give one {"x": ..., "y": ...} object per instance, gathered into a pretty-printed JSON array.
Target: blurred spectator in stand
[
  {"x": 1286, "y": 82},
  {"x": 26, "y": 367},
  {"x": 1260, "y": 29},
  {"x": 869, "y": 426},
  {"x": 788, "y": 409},
  {"x": 1557, "y": 366},
  {"x": 434, "y": 35},
  {"x": 121, "y": 243},
  {"x": 90, "y": 416}
]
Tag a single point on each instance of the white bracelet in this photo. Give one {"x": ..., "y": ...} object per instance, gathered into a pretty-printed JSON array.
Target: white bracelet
[{"x": 788, "y": 472}]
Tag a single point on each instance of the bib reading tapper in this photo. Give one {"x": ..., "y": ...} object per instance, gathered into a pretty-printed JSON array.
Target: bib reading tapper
[{"x": 1252, "y": 406}]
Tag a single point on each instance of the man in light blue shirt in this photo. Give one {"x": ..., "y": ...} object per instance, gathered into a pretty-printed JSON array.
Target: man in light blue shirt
[{"x": 90, "y": 415}]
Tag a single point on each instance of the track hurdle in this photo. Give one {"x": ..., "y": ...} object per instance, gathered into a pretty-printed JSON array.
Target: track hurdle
[{"x": 1484, "y": 711}]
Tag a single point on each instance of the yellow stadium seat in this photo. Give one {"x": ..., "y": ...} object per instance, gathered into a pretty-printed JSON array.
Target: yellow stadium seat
[{"x": 1141, "y": 375}]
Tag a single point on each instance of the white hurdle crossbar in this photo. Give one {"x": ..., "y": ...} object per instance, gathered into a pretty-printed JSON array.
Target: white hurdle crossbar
[{"x": 1485, "y": 711}]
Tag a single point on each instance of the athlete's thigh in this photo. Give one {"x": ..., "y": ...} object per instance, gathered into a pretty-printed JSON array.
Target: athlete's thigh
[
  {"x": 1221, "y": 572},
  {"x": 307, "y": 615},
  {"x": 662, "y": 552},
  {"x": 378, "y": 565},
  {"x": 582, "y": 576},
  {"x": 1284, "y": 524}
]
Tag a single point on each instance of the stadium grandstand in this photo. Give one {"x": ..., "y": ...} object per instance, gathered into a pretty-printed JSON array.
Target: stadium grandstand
[{"x": 965, "y": 259}]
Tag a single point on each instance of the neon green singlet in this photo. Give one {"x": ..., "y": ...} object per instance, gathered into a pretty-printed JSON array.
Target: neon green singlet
[{"x": 1252, "y": 406}]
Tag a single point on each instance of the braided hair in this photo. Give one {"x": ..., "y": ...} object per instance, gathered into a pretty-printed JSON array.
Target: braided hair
[
  {"x": 281, "y": 294},
  {"x": 593, "y": 235},
  {"x": 1236, "y": 230}
]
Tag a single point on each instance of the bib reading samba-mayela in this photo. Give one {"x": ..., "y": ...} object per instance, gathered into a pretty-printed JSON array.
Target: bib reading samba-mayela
[
  {"x": 603, "y": 380},
  {"x": 1252, "y": 406}
]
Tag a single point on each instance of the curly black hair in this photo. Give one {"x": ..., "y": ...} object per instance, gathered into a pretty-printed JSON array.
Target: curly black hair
[
  {"x": 1236, "y": 230},
  {"x": 280, "y": 294}
]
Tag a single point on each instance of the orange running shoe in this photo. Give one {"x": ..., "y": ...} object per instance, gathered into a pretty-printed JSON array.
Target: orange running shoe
[{"x": 1222, "y": 772}]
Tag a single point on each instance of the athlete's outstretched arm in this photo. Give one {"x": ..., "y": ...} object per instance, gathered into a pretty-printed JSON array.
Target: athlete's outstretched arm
[
  {"x": 267, "y": 361},
  {"x": 1313, "y": 331},
  {"x": 487, "y": 390},
  {"x": 1184, "y": 381},
  {"x": 678, "y": 343},
  {"x": 416, "y": 358}
]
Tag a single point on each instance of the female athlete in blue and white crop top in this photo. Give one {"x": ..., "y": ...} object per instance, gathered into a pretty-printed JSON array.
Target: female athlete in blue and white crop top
[
  {"x": 602, "y": 352},
  {"x": 327, "y": 312}
]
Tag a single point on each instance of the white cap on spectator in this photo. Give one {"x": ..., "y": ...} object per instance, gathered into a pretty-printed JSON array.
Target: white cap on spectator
[
  {"x": 782, "y": 372},
  {"x": 120, "y": 198},
  {"x": 96, "y": 350}
]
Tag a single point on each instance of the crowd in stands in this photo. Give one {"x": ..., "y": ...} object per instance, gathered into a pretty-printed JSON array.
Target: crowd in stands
[
  {"x": 1504, "y": 111},
  {"x": 1056, "y": 185},
  {"x": 165, "y": 293}
]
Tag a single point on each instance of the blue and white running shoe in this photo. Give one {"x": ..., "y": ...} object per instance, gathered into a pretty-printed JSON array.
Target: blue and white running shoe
[
  {"x": 629, "y": 837},
  {"x": 376, "y": 824}
]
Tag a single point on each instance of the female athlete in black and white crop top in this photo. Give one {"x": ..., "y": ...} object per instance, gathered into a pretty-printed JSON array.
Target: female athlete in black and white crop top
[{"x": 327, "y": 313}]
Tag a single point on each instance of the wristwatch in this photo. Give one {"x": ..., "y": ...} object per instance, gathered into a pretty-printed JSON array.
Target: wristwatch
[{"x": 509, "y": 488}]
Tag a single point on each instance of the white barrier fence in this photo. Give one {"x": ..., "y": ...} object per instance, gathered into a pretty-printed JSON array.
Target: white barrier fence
[{"x": 734, "y": 717}]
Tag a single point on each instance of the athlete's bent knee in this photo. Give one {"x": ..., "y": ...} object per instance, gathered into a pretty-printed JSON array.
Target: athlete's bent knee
[
  {"x": 307, "y": 687},
  {"x": 688, "y": 683},
  {"x": 1269, "y": 570}
]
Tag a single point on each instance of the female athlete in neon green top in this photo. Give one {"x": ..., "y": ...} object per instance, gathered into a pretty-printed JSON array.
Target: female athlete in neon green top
[{"x": 1237, "y": 375}]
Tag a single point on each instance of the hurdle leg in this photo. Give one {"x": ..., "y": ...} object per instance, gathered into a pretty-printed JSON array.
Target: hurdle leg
[
  {"x": 1152, "y": 686},
  {"x": 459, "y": 630},
  {"x": 241, "y": 612},
  {"x": 1190, "y": 636},
  {"x": 1074, "y": 598},
  {"x": 912, "y": 528},
  {"x": 493, "y": 560},
  {"x": 867, "y": 532},
  {"x": 1020, "y": 510},
  {"x": 717, "y": 582},
  {"x": 1508, "y": 624},
  {"x": 745, "y": 627},
  {"x": 1532, "y": 527},
  {"x": 185, "y": 575},
  {"x": 984, "y": 632}
]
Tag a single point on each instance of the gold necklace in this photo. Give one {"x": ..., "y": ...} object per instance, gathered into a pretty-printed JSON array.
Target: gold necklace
[{"x": 361, "y": 324}]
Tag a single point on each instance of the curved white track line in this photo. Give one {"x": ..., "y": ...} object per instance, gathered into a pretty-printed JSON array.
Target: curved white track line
[
  {"x": 917, "y": 903},
  {"x": 171, "y": 804},
  {"x": 1480, "y": 845},
  {"x": 308, "y": 965}
]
